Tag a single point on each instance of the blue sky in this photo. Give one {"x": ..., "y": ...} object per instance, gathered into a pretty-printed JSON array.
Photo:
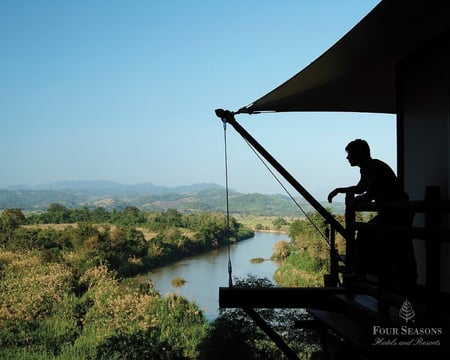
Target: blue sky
[{"x": 126, "y": 91}]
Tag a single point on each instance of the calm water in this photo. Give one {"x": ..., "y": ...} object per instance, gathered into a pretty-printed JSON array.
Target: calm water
[{"x": 205, "y": 273}]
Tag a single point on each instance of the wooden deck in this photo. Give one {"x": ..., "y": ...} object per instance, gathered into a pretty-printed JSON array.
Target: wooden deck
[
  {"x": 280, "y": 297},
  {"x": 359, "y": 330},
  {"x": 353, "y": 325}
]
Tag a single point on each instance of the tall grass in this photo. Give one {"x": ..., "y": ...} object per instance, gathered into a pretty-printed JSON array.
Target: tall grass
[{"x": 48, "y": 311}]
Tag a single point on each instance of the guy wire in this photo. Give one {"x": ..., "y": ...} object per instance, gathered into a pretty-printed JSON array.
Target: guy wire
[
  {"x": 288, "y": 193},
  {"x": 230, "y": 279}
]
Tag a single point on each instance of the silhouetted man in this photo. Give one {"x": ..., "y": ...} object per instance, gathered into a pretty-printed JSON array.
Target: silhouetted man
[{"x": 389, "y": 257}]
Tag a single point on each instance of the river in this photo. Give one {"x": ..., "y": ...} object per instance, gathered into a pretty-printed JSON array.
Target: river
[{"x": 205, "y": 273}]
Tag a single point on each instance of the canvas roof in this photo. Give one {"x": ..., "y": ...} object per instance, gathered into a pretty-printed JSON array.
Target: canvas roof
[{"x": 358, "y": 74}]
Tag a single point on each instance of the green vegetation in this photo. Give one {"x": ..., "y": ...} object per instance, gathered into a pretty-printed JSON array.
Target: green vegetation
[
  {"x": 69, "y": 285},
  {"x": 50, "y": 311},
  {"x": 266, "y": 223},
  {"x": 69, "y": 290},
  {"x": 281, "y": 250},
  {"x": 305, "y": 259},
  {"x": 117, "y": 238}
]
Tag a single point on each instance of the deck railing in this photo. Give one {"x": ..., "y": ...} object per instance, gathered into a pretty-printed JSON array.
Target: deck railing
[{"x": 431, "y": 227}]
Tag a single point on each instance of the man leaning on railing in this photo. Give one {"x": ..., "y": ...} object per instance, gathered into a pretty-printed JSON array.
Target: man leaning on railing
[{"x": 390, "y": 258}]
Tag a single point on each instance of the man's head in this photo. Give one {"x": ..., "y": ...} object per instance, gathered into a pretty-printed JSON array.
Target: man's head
[{"x": 358, "y": 152}]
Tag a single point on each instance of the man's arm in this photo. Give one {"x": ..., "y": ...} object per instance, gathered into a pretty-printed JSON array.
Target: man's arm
[{"x": 356, "y": 189}]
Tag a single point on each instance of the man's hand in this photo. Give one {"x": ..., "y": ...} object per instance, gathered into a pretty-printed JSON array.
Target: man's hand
[{"x": 332, "y": 194}]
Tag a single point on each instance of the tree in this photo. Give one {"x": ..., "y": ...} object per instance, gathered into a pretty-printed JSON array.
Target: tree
[
  {"x": 281, "y": 250},
  {"x": 131, "y": 215},
  {"x": 296, "y": 228},
  {"x": 100, "y": 215},
  {"x": 259, "y": 227},
  {"x": 22, "y": 239},
  {"x": 279, "y": 222},
  {"x": 167, "y": 219},
  {"x": 57, "y": 214},
  {"x": 173, "y": 218},
  {"x": 10, "y": 220}
]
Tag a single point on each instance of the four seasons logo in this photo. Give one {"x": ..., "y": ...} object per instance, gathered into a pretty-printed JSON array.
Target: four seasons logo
[
  {"x": 408, "y": 334},
  {"x": 407, "y": 311}
]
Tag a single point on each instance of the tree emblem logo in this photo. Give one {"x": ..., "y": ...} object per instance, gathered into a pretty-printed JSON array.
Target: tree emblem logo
[{"x": 407, "y": 312}]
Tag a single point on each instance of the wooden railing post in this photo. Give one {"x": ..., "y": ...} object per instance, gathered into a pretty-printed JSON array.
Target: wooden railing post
[
  {"x": 332, "y": 279},
  {"x": 350, "y": 233},
  {"x": 433, "y": 220}
]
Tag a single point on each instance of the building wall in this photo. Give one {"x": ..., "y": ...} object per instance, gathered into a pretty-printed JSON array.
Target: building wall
[{"x": 424, "y": 80}]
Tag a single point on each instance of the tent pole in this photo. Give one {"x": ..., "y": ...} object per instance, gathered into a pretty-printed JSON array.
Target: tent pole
[{"x": 228, "y": 117}]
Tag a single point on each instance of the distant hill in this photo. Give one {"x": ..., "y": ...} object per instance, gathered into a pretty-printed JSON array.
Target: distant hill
[
  {"x": 146, "y": 196},
  {"x": 112, "y": 187}
]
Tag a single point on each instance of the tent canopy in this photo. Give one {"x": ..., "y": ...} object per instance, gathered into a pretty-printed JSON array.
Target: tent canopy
[{"x": 358, "y": 73}]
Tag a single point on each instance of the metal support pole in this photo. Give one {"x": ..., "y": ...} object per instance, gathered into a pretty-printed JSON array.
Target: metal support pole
[
  {"x": 228, "y": 116},
  {"x": 290, "y": 354}
]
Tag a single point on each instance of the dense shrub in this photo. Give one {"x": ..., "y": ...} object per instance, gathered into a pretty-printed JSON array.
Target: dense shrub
[
  {"x": 301, "y": 269},
  {"x": 306, "y": 257},
  {"x": 281, "y": 250},
  {"x": 137, "y": 345},
  {"x": 43, "y": 316},
  {"x": 36, "y": 304}
]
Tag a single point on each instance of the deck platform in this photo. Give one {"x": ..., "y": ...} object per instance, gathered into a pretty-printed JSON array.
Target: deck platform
[{"x": 354, "y": 323}]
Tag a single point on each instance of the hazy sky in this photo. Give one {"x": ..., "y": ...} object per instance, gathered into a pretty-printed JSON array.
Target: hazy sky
[{"x": 126, "y": 91}]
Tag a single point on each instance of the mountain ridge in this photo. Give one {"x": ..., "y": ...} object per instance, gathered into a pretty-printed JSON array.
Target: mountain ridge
[
  {"x": 111, "y": 195},
  {"x": 109, "y": 185}
]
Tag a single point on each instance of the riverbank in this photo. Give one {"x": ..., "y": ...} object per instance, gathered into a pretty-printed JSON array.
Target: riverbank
[
  {"x": 269, "y": 224},
  {"x": 281, "y": 232}
]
